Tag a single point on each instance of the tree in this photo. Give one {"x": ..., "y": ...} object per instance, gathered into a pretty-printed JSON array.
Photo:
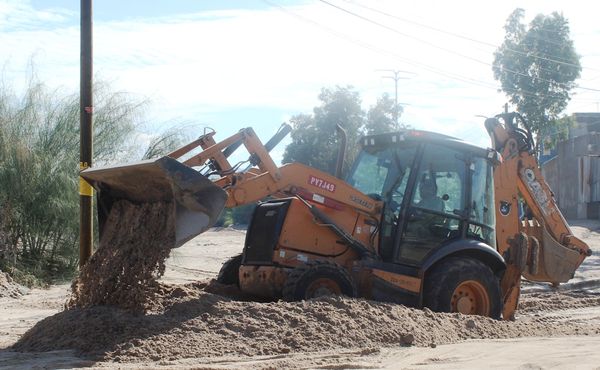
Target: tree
[
  {"x": 166, "y": 142},
  {"x": 537, "y": 67},
  {"x": 314, "y": 139},
  {"x": 39, "y": 151},
  {"x": 380, "y": 118}
]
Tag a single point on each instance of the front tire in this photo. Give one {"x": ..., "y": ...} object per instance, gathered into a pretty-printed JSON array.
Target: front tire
[
  {"x": 464, "y": 285},
  {"x": 316, "y": 279},
  {"x": 230, "y": 271}
]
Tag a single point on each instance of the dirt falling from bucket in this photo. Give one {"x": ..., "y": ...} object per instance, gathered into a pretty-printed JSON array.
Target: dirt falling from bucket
[{"x": 136, "y": 240}]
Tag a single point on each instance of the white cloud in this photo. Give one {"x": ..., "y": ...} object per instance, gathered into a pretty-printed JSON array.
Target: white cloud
[
  {"x": 197, "y": 65},
  {"x": 19, "y": 15}
]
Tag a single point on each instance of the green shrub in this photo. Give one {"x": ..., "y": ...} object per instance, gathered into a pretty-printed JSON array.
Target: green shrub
[{"x": 39, "y": 158}]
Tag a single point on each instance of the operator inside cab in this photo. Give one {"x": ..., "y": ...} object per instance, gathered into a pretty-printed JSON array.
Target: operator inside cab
[{"x": 428, "y": 194}]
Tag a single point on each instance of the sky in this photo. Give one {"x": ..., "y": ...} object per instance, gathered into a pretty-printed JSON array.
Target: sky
[{"x": 233, "y": 64}]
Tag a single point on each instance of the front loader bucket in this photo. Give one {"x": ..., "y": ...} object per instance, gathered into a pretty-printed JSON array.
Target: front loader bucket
[{"x": 195, "y": 200}]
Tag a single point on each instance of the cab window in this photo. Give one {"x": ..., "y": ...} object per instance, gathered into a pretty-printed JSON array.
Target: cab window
[
  {"x": 438, "y": 201},
  {"x": 482, "y": 213},
  {"x": 378, "y": 172}
]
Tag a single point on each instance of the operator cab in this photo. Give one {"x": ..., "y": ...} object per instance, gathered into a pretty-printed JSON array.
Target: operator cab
[{"x": 436, "y": 189}]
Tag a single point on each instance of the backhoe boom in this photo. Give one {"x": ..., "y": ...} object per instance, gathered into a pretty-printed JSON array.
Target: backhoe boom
[{"x": 542, "y": 247}]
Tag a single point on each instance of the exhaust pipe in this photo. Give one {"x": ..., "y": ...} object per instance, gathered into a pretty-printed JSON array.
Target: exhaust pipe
[{"x": 341, "y": 151}]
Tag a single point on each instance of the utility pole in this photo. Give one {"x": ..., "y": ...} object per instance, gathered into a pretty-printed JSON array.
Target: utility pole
[
  {"x": 86, "y": 110},
  {"x": 395, "y": 76}
]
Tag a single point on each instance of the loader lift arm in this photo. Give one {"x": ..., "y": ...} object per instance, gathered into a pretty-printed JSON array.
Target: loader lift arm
[
  {"x": 542, "y": 249},
  {"x": 197, "y": 181},
  {"x": 253, "y": 184}
]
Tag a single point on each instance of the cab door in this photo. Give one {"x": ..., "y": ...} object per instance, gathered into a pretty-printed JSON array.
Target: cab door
[{"x": 433, "y": 215}]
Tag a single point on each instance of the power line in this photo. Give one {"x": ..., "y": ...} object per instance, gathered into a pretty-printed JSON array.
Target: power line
[
  {"x": 467, "y": 38},
  {"x": 402, "y": 33},
  {"x": 435, "y": 70},
  {"x": 375, "y": 49},
  {"x": 485, "y": 43},
  {"x": 441, "y": 72},
  {"x": 589, "y": 102},
  {"x": 443, "y": 48},
  {"x": 396, "y": 77}
]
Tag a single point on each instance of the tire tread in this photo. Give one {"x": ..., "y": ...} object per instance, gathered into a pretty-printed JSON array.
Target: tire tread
[{"x": 296, "y": 276}]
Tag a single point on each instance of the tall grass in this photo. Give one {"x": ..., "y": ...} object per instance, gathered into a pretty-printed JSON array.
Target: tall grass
[{"x": 39, "y": 157}]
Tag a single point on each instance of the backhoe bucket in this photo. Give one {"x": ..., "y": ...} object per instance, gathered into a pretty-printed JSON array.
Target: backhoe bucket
[
  {"x": 551, "y": 261},
  {"x": 195, "y": 200}
]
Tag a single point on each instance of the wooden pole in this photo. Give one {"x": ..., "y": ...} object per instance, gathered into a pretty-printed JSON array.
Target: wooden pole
[{"x": 86, "y": 110}]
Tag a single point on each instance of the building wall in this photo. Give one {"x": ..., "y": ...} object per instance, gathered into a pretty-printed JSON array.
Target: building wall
[
  {"x": 574, "y": 176},
  {"x": 550, "y": 171},
  {"x": 585, "y": 123},
  {"x": 568, "y": 194}
]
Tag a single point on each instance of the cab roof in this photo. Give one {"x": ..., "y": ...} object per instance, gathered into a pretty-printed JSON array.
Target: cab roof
[{"x": 409, "y": 135}]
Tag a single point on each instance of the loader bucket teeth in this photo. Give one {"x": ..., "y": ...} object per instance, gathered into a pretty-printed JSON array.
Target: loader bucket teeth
[{"x": 196, "y": 201}]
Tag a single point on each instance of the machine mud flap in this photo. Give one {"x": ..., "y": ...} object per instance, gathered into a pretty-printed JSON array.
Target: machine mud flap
[{"x": 195, "y": 200}]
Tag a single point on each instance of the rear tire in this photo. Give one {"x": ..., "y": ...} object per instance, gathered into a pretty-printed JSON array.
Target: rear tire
[
  {"x": 230, "y": 271},
  {"x": 316, "y": 279},
  {"x": 463, "y": 285}
]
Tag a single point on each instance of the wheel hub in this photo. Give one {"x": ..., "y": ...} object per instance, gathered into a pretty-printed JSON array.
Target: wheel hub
[
  {"x": 470, "y": 298},
  {"x": 464, "y": 305},
  {"x": 323, "y": 287}
]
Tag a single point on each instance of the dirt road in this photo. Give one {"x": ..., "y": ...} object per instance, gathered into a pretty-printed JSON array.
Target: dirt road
[{"x": 201, "y": 325}]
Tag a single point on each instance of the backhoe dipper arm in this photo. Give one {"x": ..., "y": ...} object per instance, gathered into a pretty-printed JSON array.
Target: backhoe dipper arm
[{"x": 542, "y": 249}]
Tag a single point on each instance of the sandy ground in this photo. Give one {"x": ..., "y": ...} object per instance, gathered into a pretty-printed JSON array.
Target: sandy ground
[{"x": 567, "y": 322}]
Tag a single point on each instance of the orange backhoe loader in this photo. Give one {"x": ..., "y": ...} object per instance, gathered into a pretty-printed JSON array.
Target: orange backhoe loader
[{"x": 422, "y": 219}]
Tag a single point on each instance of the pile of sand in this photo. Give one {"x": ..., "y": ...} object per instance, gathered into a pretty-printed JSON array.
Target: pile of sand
[
  {"x": 118, "y": 312},
  {"x": 196, "y": 320},
  {"x": 135, "y": 242},
  {"x": 9, "y": 288},
  {"x": 532, "y": 303}
]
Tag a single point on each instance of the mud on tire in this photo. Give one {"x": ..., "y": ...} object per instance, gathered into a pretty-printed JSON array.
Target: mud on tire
[
  {"x": 467, "y": 279},
  {"x": 318, "y": 278},
  {"x": 229, "y": 273}
]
